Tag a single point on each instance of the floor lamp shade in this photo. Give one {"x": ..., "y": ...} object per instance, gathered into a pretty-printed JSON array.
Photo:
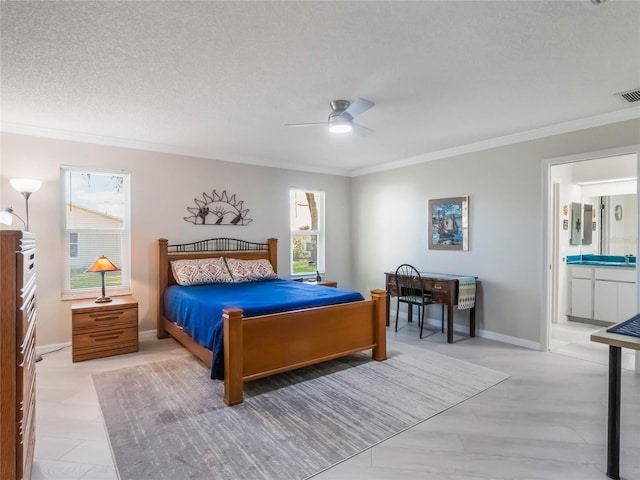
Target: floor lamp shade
[
  {"x": 26, "y": 186},
  {"x": 103, "y": 265}
]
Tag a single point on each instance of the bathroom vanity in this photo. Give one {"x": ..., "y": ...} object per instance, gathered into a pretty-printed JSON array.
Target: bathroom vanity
[{"x": 603, "y": 289}]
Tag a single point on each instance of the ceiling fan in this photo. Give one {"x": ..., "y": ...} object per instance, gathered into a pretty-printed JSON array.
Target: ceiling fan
[{"x": 341, "y": 117}]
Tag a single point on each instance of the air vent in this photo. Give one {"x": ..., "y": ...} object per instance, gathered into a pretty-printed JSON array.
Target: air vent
[{"x": 631, "y": 96}]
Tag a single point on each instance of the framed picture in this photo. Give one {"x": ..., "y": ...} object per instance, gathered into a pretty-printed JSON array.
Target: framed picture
[{"x": 449, "y": 223}]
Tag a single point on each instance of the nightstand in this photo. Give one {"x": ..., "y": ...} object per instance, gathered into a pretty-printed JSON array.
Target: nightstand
[
  {"x": 326, "y": 283},
  {"x": 104, "y": 329}
]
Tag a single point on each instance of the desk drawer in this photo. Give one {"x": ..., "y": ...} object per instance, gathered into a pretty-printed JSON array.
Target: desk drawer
[
  {"x": 440, "y": 287},
  {"x": 439, "y": 297}
]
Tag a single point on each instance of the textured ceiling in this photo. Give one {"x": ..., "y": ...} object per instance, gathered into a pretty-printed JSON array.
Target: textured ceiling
[{"x": 220, "y": 79}]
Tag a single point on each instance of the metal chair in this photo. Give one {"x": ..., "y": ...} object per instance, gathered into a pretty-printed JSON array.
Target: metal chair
[{"x": 410, "y": 290}]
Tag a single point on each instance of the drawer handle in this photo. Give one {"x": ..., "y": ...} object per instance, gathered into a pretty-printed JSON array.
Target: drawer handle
[
  {"x": 106, "y": 336},
  {"x": 438, "y": 287},
  {"x": 108, "y": 317},
  {"x": 113, "y": 312}
]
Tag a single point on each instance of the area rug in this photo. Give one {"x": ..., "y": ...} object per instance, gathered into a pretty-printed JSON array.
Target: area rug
[{"x": 167, "y": 420}]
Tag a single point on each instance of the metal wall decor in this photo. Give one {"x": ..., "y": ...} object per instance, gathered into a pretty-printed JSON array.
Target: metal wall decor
[{"x": 218, "y": 209}]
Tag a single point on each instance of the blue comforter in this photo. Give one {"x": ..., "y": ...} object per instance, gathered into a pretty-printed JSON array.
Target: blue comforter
[{"x": 198, "y": 309}]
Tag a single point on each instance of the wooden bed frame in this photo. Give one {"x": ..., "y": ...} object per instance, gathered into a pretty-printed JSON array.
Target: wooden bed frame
[{"x": 260, "y": 346}]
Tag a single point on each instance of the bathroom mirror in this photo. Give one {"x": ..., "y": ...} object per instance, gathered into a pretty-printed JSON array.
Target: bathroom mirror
[
  {"x": 587, "y": 224},
  {"x": 576, "y": 224},
  {"x": 619, "y": 224}
]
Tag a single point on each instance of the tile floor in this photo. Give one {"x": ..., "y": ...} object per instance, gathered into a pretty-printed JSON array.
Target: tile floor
[
  {"x": 574, "y": 339},
  {"x": 547, "y": 421}
]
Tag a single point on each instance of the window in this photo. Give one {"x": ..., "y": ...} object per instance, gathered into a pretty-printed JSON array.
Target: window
[
  {"x": 73, "y": 245},
  {"x": 307, "y": 232},
  {"x": 96, "y": 222}
]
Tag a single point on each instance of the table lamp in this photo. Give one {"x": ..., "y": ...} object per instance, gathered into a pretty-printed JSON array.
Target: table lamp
[{"x": 103, "y": 265}]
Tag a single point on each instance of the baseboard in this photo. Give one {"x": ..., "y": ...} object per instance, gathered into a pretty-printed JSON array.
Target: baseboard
[
  {"x": 464, "y": 329},
  {"x": 44, "y": 349},
  {"x": 590, "y": 321},
  {"x": 147, "y": 334},
  {"x": 520, "y": 342}
]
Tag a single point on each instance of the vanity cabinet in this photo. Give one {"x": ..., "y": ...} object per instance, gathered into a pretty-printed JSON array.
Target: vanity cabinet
[
  {"x": 614, "y": 294},
  {"x": 581, "y": 292},
  {"x": 605, "y": 295}
]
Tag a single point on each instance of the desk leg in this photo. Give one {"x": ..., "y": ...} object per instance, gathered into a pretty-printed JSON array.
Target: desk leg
[
  {"x": 472, "y": 322},
  {"x": 613, "y": 434},
  {"x": 449, "y": 323}
]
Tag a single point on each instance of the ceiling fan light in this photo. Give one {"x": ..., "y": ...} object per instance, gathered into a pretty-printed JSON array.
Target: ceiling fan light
[{"x": 340, "y": 126}]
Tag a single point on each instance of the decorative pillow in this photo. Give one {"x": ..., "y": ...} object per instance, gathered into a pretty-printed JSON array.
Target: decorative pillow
[
  {"x": 250, "y": 270},
  {"x": 199, "y": 271}
]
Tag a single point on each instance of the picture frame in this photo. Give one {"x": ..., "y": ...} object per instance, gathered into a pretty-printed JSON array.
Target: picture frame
[{"x": 449, "y": 223}]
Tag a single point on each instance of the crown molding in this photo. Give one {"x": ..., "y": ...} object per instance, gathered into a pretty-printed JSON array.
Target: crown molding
[
  {"x": 548, "y": 131},
  {"x": 21, "y": 129}
]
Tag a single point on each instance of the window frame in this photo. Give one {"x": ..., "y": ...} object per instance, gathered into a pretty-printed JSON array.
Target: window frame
[
  {"x": 67, "y": 293},
  {"x": 319, "y": 232}
]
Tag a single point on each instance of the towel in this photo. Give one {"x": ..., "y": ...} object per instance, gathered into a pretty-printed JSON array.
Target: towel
[{"x": 466, "y": 292}]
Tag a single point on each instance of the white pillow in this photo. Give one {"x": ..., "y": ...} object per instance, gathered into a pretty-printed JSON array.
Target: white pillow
[
  {"x": 199, "y": 271},
  {"x": 250, "y": 270}
]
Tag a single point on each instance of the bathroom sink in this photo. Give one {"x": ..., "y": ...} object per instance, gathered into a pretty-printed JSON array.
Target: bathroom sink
[{"x": 596, "y": 263}]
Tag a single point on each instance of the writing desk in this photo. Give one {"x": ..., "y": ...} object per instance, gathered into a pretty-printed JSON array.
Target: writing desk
[
  {"x": 616, "y": 342},
  {"x": 444, "y": 291}
]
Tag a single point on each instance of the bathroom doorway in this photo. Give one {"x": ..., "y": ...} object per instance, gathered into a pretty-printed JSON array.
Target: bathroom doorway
[{"x": 586, "y": 183}]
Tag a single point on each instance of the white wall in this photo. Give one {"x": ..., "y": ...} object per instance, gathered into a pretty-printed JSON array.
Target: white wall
[
  {"x": 162, "y": 186},
  {"x": 505, "y": 186},
  {"x": 374, "y": 222}
]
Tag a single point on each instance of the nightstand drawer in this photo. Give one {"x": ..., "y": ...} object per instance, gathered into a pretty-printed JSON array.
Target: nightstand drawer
[
  {"x": 124, "y": 317},
  {"x": 105, "y": 343}
]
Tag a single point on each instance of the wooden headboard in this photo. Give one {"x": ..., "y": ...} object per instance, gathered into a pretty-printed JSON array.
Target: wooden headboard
[{"x": 210, "y": 248}]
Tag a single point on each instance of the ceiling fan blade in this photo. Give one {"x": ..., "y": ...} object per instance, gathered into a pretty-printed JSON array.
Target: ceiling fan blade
[
  {"x": 362, "y": 131},
  {"x": 304, "y": 124},
  {"x": 358, "y": 107}
]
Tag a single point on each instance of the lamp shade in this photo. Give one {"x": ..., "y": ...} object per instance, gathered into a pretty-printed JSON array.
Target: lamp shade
[
  {"x": 102, "y": 264},
  {"x": 25, "y": 185},
  {"x": 6, "y": 218}
]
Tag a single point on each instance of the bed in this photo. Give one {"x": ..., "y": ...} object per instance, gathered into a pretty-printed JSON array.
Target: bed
[{"x": 259, "y": 346}]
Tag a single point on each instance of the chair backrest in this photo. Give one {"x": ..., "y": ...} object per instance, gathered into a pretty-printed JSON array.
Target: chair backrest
[{"x": 407, "y": 276}]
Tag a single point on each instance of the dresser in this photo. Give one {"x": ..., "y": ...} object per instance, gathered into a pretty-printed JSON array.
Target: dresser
[
  {"x": 17, "y": 353},
  {"x": 104, "y": 329}
]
